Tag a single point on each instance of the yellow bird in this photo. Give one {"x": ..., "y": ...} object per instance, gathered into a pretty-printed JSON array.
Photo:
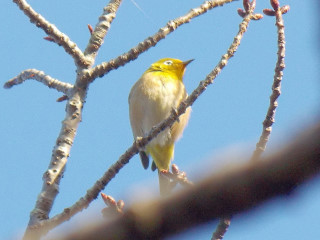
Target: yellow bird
[{"x": 152, "y": 98}]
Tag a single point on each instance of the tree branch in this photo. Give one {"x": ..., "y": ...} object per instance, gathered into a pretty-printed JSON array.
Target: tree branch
[
  {"x": 40, "y": 77},
  {"x": 171, "y": 26},
  {"x": 52, "y": 177},
  {"x": 60, "y": 153},
  {"x": 74, "y": 107},
  {"x": 70, "y": 47},
  {"x": 276, "y": 88},
  {"x": 247, "y": 11},
  {"x": 227, "y": 192},
  {"x": 101, "y": 29},
  {"x": 61, "y": 150}
]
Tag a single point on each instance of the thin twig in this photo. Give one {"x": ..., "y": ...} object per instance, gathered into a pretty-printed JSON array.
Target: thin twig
[
  {"x": 226, "y": 192},
  {"x": 101, "y": 29},
  {"x": 246, "y": 13},
  {"x": 60, "y": 38},
  {"x": 171, "y": 26},
  {"x": 40, "y": 77},
  {"x": 139, "y": 143},
  {"x": 276, "y": 88}
]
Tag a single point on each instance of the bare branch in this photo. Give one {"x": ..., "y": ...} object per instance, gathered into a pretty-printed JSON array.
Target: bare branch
[
  {"x": 61, "y": 150},
  {"x": 101, "y": 29},
  {"x": 60, "y": 153},
  {"x": 40, "y": 77},
  {"x": 42, "y": 227},
  {"x": 276, "y": 87},
  {"x": 227, "y": 192},
  {"x": 60, "y": 38},
  {"x": 139, "y": 143},
  {"x": 223, "y": 62},
  {"x": 247, "y": 12},
  {"x": 171, "y": 26}
]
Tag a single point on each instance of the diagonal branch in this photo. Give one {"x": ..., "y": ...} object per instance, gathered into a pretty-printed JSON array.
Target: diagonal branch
[
  {"x": 70, "y": 47},
  {"x": 40, "y": 77},
  {"x": 171, "y": 26},
  {"x": 101, "y": 29},
  {"x": 276, "y": 88},
  {"x": 93, "y": 192},
  {"x": 227, "y": 192}
]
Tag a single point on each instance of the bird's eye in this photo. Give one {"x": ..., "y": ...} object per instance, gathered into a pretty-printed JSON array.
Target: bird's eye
[{"x": 169, "y": 62}]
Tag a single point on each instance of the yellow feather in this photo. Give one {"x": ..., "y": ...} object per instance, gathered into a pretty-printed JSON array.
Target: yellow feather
[{"x": 161, "y": 155}]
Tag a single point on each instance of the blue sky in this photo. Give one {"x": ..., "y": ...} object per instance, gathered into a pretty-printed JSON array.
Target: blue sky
[{"x": 225, "y": 121}]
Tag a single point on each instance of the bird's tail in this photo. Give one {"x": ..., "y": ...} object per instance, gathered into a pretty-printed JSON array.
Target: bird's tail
[
  {"x": 162, "y": 155},
  {"x": 164, "y": 184}
]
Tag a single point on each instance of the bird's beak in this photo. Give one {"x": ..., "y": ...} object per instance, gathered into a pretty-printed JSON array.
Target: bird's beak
[{"x": 185, "y": 63}]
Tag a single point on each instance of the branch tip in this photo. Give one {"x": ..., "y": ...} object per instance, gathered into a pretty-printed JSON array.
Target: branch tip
[
  {"x": 48, "y": 38},
  {"x": 113, "y": 208},
  {"x": 269, "y": 12},
  {"x": 90, "y": 29},
  {"x": 241, "y": 12},
  {"x": 248, "y": 9},
  {"x": 174, "y": 169},
  {"x": 108, "y": 200},
  {"x": 257, "y": 16},
  {"x": 120, "y": 204},
  {"x": 285, "y": 9},
  {"x": 246, "y": 5},
  {"x": 62, "y": 98},
  {"x": 275, "y": 4}
]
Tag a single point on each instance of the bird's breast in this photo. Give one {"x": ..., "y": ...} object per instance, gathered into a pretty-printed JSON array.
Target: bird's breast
[
  {"x": 153, "y": 97},
  {"x": 166, "y": 91}
]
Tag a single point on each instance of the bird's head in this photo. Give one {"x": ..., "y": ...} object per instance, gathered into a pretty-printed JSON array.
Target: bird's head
[{"x": 172, "y": 66}]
